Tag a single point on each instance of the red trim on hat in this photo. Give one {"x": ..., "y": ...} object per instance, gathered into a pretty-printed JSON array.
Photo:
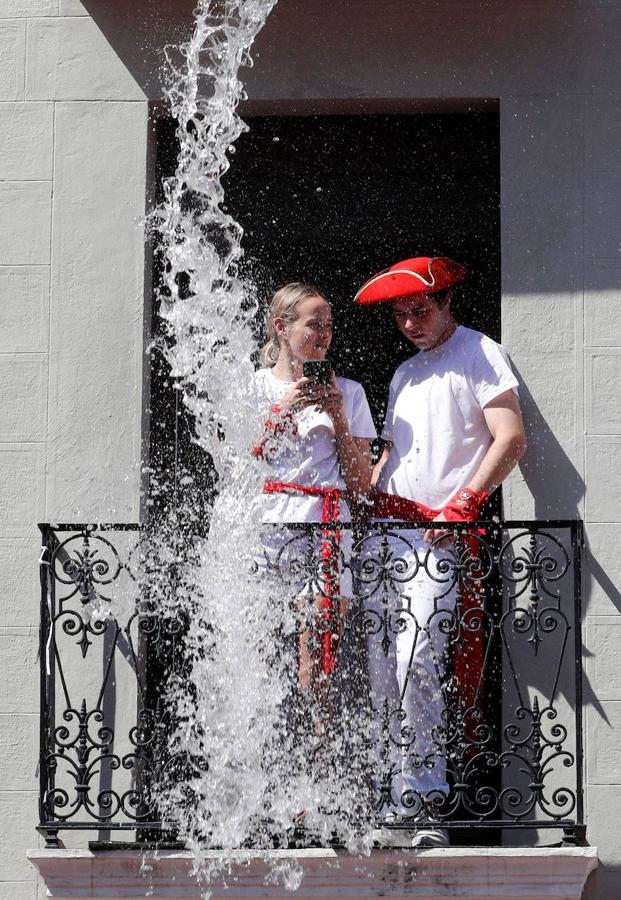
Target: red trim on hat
[{"x": 409, "y": 278}]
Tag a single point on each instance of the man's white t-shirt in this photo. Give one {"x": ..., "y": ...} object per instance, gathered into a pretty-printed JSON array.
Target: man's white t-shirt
[
  {"x": 311, "y": 457},
  {"x": 435, "y": 416}
]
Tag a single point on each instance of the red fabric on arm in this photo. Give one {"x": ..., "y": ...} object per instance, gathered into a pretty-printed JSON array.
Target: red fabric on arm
[{"x": 464, "y": 506}]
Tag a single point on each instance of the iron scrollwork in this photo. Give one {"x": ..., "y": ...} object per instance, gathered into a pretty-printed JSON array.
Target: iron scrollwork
[
  {"x": 93, "y": 773},
  {"x": 500, "y": 630}
]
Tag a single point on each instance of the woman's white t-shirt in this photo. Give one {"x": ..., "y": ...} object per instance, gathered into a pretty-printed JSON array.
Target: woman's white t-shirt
[
  {"x": 310, "y": 458},
  {"x": 435, "y": 420}
]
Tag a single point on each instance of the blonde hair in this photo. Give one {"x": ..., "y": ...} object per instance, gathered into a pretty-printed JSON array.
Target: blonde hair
[{"x": 283, "y": 305}]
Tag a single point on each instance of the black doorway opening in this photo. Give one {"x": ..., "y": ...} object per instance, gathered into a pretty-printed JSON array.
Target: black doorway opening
[{"x": 332, "y": 199}]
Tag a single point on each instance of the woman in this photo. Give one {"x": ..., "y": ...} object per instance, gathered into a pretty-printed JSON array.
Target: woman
[{"x": 316, "y": 441}]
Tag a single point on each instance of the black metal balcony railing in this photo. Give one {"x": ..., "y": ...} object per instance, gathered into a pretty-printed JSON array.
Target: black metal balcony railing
[{"x": 503, "y": 640}]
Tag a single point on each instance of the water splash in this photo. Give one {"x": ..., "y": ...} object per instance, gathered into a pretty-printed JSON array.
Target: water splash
[{"x": 252, "y": 763}]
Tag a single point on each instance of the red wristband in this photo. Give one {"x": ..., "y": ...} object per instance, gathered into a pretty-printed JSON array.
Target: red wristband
[{"x": 464, "y": 506}]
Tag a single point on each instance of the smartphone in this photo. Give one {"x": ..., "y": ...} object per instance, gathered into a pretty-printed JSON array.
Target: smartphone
[{"x": 320, "y": 370}]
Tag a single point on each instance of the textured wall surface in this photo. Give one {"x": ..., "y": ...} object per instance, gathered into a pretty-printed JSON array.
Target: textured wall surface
[
  {"x": 74, "y": 81},
  {"x": 73, "y": 126}
]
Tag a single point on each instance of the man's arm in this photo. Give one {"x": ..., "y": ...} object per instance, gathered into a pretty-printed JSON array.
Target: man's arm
[
  {"x": 504, "y": 420},
  {"x": 379, "y": 465}
]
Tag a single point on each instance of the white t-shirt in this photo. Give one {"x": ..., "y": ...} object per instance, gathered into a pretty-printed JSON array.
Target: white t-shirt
[
  {"x": 310, "y": 457},
  {"x": 435, "y": 416}
]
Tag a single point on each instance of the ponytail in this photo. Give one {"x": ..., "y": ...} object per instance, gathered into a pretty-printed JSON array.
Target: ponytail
[{"x": 268, "y": 354}]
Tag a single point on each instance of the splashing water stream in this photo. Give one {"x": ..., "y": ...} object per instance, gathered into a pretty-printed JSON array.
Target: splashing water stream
[{"x": 251, "y": 771}]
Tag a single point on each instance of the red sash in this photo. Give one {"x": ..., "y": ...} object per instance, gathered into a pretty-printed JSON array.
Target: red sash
[
  {"x": 329, "y": 553},
  {"x": 468, "y": 663}
]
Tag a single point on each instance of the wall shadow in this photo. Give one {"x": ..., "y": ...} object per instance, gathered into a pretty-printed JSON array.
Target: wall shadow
[
  {"x": 604, "y": 883},
  {"x": 551, "y": 477},
  {"x": 139, "y": 31},
  {"x": 558, "y": 488}
]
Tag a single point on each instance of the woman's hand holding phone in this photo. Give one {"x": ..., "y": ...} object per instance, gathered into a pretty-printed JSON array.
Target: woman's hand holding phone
[
  {"x": 303, "y": 393},
  {"x": 307, "y": 392},
  {"x": 331, "y": 402},
  {"x": 318, "y": 388}
]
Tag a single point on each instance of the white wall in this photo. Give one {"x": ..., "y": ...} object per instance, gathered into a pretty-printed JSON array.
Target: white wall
[
  {"x": 73, "y": 127},
  {"x": 72, "y": 170}
]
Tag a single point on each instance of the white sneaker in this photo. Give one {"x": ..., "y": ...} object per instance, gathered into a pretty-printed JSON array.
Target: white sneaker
[
  {"x": 387, "y": 837},
  {"x": 428, "y": 838},
  {"x": 391, "y": 838}
]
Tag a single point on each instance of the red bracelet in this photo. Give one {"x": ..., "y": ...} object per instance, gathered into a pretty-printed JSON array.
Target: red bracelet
[{"x": 465, "y": 506}]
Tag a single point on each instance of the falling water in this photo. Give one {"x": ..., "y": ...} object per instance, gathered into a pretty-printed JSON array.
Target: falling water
[{"x": 252, "y": 768}]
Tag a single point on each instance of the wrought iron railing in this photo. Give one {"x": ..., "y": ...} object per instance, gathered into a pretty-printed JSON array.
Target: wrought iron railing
[{"x": 472, "y": 651}]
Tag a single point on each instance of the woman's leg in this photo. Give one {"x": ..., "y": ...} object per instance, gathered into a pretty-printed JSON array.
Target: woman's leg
[{"x": 385, "y": 561}]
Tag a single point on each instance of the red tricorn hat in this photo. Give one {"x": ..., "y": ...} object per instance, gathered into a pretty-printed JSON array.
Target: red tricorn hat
[{"x": 420, "y": 275}]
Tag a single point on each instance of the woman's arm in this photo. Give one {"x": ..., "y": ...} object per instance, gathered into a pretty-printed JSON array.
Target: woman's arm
[
  {"x": 354, "y": 458},
  {"x": 354, "y": 452}
]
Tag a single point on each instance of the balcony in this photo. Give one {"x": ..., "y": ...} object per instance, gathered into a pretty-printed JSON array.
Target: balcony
[{"x": 507, "y": 655}]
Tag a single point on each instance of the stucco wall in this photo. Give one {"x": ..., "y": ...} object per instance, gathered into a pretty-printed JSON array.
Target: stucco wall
[
  {"x": 74, "y": 82},
  {"x": 73, "y": 126}
]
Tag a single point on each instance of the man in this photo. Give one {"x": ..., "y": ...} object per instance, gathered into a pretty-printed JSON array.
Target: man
[{"x": 453, "y": 432}]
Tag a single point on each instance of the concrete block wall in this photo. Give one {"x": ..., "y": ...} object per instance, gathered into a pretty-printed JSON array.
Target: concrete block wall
[
  {"x": 73, "y": 135},
  {"x": 26, "y": 168},
  {"x": 601, "y": 366}
]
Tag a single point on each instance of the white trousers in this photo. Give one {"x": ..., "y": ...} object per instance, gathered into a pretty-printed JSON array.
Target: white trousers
[
  {"x": 293, "y": 557},
  {"x": 408, "y": 618}
]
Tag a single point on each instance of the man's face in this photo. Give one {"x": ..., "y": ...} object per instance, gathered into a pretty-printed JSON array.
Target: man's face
[{"x": 422, "y": 320}]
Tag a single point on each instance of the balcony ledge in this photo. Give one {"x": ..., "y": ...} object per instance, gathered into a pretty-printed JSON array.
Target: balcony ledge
[{"x": 479, "y": 873}]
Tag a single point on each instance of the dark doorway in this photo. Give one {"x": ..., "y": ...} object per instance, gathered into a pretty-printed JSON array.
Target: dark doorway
[
  {"x": 331, "y": 200},
  {"x": 334, "y": 199}
]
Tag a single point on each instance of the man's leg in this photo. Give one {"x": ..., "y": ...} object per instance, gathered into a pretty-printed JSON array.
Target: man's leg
[
  {"x": 427, "y": 609},
  {"x": 389, "y": 563},
  {"x": 404, "y": 608}
]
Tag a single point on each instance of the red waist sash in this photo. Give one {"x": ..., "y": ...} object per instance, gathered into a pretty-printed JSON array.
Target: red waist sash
[
  {"x": 469, "y": 663},
  {"x": 329, "y": 553},
  {"x": 391, "y": 506}
]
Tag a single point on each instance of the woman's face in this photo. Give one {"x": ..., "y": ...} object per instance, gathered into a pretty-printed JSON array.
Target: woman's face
[{"x": 310, "y": 334}]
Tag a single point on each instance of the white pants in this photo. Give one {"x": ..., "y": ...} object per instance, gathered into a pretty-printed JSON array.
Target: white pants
[
  {"x": 408, "y": 614},
  {"x": 294, "y": 558}
]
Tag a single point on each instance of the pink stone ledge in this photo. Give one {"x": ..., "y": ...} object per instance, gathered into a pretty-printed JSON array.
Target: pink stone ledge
[{"x": 478, "y": 873}]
